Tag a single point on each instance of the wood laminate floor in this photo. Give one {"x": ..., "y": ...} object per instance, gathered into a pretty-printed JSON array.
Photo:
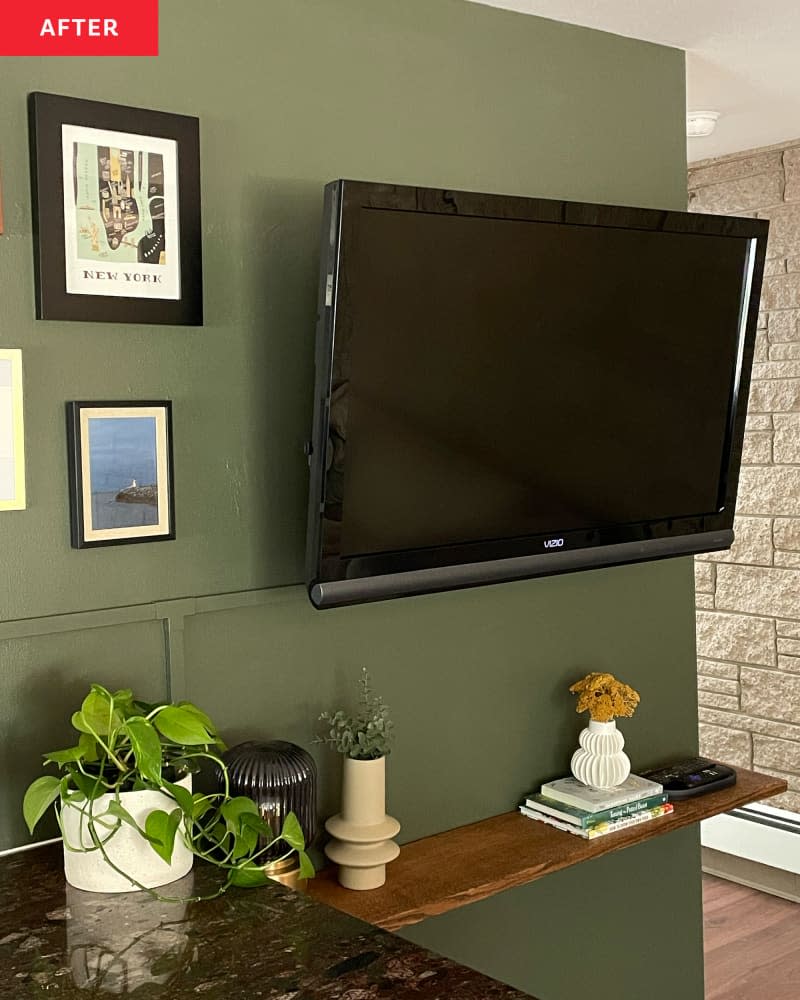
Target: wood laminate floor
[{"x": 752, "y": 943}]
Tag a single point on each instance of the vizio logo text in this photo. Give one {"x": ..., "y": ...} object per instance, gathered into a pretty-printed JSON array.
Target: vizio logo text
[{"x": 554, "y": 543}]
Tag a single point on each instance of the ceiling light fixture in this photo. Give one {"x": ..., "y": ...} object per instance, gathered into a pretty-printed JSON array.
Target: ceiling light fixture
[{"x": 700, "y": 123}]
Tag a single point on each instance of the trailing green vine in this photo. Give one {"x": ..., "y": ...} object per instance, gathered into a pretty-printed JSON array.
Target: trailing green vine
[{"x": 129, "y": 745}]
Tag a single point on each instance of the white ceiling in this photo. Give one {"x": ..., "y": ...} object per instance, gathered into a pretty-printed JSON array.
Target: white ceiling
[{"x": 743, "y": 59}]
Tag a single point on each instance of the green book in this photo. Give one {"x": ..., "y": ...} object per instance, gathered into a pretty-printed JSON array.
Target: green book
[
  {"x": 601, "y": 829},
  {"x": 586, "y": 820}
]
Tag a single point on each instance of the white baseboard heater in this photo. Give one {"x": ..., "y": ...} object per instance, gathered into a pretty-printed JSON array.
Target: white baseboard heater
[{"x": 759, "y": 833}]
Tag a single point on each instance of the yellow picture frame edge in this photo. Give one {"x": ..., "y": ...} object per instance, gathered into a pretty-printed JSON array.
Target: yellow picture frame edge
[{"x": 14, "y": 355}]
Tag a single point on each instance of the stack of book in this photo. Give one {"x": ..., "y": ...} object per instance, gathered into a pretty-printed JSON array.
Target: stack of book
[{"x": 569, "y": 805}]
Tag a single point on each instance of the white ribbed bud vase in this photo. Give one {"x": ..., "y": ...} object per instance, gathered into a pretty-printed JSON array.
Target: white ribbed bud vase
[
  {"x": 362, "y": 832},
  {"x": 600, "y": 761}
]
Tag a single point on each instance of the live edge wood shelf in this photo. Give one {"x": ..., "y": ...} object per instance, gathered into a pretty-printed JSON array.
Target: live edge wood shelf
[{"x": 461, "y": 866}]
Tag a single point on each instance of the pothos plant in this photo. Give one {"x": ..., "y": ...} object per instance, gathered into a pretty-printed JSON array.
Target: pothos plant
[
  {"x": 365, "y": 735},
  {"x": 130, "y": 745}
]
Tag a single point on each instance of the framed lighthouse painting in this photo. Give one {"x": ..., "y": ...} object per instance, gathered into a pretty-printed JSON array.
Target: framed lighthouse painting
[{"x": 120, "y": 472}]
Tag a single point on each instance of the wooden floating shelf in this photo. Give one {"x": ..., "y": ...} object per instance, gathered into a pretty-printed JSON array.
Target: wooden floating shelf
[{"x": 451, "y": 869}]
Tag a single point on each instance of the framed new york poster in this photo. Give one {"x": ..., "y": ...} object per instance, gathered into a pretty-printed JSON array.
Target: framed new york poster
[{"x": 116, "y": 212}]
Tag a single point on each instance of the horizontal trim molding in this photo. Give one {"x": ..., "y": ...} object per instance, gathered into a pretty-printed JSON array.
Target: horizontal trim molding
[{"x": 181, "y": 607}]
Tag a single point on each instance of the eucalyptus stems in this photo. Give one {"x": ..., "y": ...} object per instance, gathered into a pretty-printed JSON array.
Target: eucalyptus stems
[
  {"x": 368, "y": 733},
  {"x": 129, "y": 745}
]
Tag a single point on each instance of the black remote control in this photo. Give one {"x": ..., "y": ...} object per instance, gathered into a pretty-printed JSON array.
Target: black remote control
[{"x": 694, "y": 776}]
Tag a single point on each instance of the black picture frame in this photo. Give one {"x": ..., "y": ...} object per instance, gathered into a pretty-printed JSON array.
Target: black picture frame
[
  {"x": 119, "y": 452},
  {"x": 60, "y": 140}
]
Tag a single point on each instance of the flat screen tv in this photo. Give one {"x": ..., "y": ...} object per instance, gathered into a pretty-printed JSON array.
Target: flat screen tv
[{"x": 512, "y": 387}]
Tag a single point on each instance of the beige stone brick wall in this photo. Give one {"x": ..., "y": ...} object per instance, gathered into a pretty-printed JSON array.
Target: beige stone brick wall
[{"x": 748, "y": 599}]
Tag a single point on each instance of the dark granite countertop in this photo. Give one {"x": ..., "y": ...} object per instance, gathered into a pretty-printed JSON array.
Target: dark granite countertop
[{"x": 249, "y": 943}]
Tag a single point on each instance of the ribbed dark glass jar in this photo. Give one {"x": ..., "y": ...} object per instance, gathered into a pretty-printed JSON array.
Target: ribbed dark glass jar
[{"x": 280, "y": 777}]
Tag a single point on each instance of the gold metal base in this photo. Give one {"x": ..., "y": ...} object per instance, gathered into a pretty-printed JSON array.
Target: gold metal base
[{"x": 287, "y": 872}]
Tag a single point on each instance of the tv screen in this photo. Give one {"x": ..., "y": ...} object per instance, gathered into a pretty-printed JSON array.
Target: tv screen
[{"x": 512, "y": 387}]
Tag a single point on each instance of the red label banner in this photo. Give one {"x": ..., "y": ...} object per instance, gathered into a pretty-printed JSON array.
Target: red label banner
[{"x": 78, "y": 28}]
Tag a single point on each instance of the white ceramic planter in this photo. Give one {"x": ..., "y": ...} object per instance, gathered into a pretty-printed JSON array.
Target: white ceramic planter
[
  {"x": 600, "y": 761},
  {"x": 127, "y": 849},
  {"x": 362, "y": 832}
]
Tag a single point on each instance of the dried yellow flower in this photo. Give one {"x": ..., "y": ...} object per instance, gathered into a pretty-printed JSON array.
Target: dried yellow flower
[{"x": 604, "y": 697}]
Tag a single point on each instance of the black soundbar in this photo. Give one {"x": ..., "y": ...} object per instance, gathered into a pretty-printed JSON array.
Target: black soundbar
[{"x": 361, "y": 590}]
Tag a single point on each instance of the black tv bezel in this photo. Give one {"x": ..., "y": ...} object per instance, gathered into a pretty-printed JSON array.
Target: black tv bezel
[{"x": 337, "y": 580}]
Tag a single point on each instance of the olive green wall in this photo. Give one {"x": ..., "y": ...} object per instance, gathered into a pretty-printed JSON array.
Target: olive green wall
[{"x": 292, "y": 93}]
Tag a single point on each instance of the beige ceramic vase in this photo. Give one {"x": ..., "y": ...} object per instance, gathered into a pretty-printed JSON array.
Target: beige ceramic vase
[{"x": 362, "y": 833}]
